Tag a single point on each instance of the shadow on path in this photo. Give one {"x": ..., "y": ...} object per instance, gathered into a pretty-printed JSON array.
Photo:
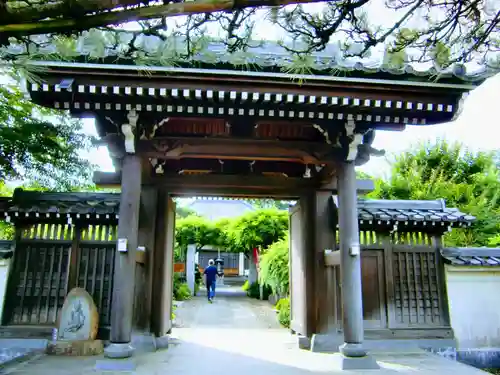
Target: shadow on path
[{"x": 237, "y": 334}]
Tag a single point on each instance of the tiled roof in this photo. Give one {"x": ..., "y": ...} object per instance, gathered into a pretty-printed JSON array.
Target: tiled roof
[
  {"x": 479, "y": 256},
  {"x": 412, "y": 211},
  {"x": 371, "y": 212},
  {"x": 31, "y": 202},
  {"x": 266, "y": 55}
]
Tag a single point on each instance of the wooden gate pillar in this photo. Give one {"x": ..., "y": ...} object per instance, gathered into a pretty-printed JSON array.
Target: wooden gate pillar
[
  {"x": 163, "y": 269},
  {"x": 355, "y": 355},
  {"x": 324, "y": 239},
  {"x": 124, "y": 272},
  {"x": 306, "y": 238}
]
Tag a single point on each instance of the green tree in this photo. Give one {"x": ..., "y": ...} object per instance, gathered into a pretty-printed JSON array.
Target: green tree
[
  {"x": 274, "y": 267},
  {"x": 39, "y": 146},
  {"x": 259, "y": 228},
  {"x": 466, "y": 180},
  {"x": 269, "y": 203},
  {"x": 471, "y": 28},
  {"x": 196, "y": 230},
  {"x": 183, "y": 212}
]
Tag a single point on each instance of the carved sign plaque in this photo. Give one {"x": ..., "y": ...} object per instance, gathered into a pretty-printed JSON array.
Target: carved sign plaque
[{"x": 78, "y": 318}]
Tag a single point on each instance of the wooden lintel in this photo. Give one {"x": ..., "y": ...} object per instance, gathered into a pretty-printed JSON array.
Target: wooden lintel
[
  {"x": 231, "y": 185},
  {"x": 248, "y": 182},
  {"x": 236, "y": 149}
]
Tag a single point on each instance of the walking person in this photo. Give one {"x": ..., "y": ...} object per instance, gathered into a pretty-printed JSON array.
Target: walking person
[{"x": 210, "y": 278}]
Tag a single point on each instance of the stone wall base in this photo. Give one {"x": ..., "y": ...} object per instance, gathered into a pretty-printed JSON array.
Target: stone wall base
[
  {"x": 76, "y": 348},
  {"x": 329, "y": 343},
  {"x": 482, "y": 358}
]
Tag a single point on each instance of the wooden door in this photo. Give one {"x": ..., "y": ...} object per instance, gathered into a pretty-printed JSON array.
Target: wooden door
[
  {"x": 372, "y": 273},
  {"x": 298, "y": 303},
  {"x": 163, "y": 266},
  {"x": 169, "y": 265}
]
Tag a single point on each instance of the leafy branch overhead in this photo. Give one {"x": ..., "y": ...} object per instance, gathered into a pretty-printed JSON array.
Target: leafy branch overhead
[
  {"x": 443, "y": 32},
  {"x": 39, "y": 145}
]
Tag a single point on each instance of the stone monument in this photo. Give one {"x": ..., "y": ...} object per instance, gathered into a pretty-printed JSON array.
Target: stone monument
[{"x": 77, "y": 326}]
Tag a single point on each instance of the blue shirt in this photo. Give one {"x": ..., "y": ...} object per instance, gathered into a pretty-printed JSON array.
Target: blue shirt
[{"x": 211, "y": 272}]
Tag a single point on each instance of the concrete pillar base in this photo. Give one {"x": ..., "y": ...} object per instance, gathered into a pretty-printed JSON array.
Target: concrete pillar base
[
  {"x": 162, "y": 342},
  {"x": 118, "y": 365},
  {"x": 143, "y": 342},
  {"x": 304, "y": 342},
  {"x": 359, "y": 363},
  {"x": 352, "y": 350},
  {"x": 119, "y": 350},
  {"x": 326, "y": 343}
]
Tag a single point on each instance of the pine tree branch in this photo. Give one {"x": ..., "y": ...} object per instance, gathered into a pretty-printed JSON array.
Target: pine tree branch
[
  {"x": 65, "y": 25},
  {"x": 64, "y": 8}
]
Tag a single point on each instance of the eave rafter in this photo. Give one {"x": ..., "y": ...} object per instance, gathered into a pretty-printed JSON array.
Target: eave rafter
[{"x": 226, "y": 96}]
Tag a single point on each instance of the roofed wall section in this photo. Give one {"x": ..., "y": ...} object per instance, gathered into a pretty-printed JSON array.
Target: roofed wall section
[{"x": 377, "y": 215}]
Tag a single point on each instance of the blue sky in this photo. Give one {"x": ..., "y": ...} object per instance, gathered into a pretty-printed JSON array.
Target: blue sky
[{"x": 475, "y": 128}]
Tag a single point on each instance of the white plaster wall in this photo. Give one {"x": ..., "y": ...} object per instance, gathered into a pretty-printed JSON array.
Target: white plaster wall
[
  {"x": 4, "y": 272},
  {"x": 474, "y": 301},
  {"x": 220, "y": 209}
]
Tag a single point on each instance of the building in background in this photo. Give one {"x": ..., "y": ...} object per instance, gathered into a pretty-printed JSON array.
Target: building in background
[
  {"x": 216, "y": 209},
  {"x": 235, "y": 264}
]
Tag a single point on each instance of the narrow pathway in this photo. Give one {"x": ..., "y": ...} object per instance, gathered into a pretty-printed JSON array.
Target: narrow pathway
[
  {"x": 231, "y": 309},
  {"x": 237, "y": 334}
]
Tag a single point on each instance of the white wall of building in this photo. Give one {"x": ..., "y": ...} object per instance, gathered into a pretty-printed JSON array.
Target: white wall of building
[
  {"x": 220, "y": 209},
  {"x": 474, "y": 302},
  {"x": 4, "y": 273}
]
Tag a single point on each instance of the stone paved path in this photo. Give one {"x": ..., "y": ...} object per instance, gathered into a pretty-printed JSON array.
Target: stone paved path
[{"x": 235, "y": 334}]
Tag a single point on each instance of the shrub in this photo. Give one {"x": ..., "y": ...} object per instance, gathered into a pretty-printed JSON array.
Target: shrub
[
  {"x": 181, "y": 290},
  {"x": 246, "y": 286},
  {"x": 182, "y": 293},
  {"x": 253, "y": 291},
  {"x": 283, "y": 307},
  {"x": 197, "y": 274},
  {"x": 282, "y": 303},
  {"x": 274, "y": 268}
]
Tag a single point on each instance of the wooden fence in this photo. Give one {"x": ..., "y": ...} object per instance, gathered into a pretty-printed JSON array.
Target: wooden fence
[{"x": 50, "y": 260}]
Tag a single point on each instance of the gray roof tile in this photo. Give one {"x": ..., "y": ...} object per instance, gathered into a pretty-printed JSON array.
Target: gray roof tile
[
  {"x": 265, "y": 55},
  {"x": 386, "y": 211},
  {"x": 479, "y": 256},
  {"x": 416, "y": 211}
]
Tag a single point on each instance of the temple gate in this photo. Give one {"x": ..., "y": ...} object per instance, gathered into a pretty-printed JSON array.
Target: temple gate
[{"x": 225, "y": 132}]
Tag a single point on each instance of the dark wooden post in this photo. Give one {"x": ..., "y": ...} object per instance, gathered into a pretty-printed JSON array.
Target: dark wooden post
[
  {"x": 144, "y": 272},
  {"x": 308, "y": 205},
  {"x": 163, "y": 264},
  {"x": 325, "y": 239},
  {"x": 124, "y": 272},
  {"x": 303, "y": 264},
  {"x": 354, "y": 354}
]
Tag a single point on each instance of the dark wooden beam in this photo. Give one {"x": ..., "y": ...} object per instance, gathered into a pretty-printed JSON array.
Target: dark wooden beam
[
  {"x": 241, "y": 167},
  {"x": 237, "y": 149},
  {"x": 232, "y": 185},
  {"x": 232, "y": 181}
]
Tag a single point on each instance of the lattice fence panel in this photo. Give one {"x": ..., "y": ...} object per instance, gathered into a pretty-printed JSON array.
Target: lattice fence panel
[
  {"x": 366, "y": 238},
  {"x": 417, "y": 299},
  {"x": 96, "y": 260},
  {"x": 39, "y": 279},
  {"x": 39, "y": 276}
]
